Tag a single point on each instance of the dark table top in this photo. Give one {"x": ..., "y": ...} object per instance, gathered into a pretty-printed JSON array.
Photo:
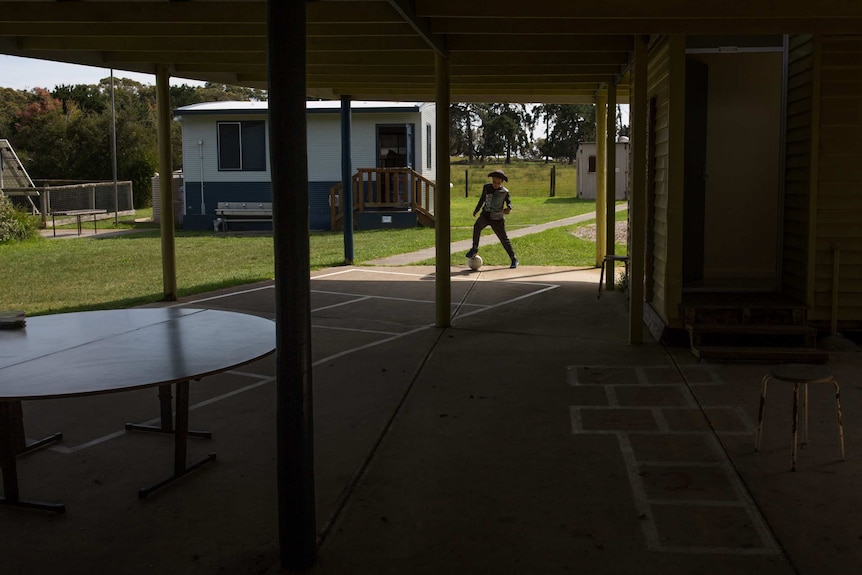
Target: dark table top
[{"x": 104, "y": 351}]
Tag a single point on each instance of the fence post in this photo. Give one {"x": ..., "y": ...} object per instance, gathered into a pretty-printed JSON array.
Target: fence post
[
  {"x": 43, "y": 206},
  {"x": 553, "y": 181},
  {"x": 93, "y": 197},
  {"x": 466, "y": 183}
]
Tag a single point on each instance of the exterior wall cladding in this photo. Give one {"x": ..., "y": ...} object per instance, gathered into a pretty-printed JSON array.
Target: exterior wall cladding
[{"x": 206, "y": 185}]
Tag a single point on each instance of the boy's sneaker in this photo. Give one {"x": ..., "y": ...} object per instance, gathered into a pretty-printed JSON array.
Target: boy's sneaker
[
  {"x": 472, "y": 252},
  {"x": 514, "y": 263}
]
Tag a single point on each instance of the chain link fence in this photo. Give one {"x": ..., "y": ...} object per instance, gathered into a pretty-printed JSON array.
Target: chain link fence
[{"x": 45, "y": 200}]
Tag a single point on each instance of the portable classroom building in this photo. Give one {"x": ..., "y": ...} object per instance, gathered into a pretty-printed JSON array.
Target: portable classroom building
[
  {"x": 586, "y": 169},
  {"x": 226, "y": 144}
]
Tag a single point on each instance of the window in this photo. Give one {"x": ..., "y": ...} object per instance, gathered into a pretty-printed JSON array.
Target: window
[
  {"x": 591, "y": 164},
  {"x": 242, "y": 146},
  {"x": 428, "y": 146}
]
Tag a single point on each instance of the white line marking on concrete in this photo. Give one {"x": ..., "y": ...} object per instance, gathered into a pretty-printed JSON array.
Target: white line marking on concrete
[
  {"x": 643, "y": 504},
  {"x": 69, "y": 450},
  {"x": 648, "y": 525},
  {"x": 369, "y": 331},
  {"x": 222, "y": 296},
  {"x": 348, "y": 302}
]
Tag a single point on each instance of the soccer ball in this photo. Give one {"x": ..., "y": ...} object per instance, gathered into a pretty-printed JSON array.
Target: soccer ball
[{"x": 475, "y": 262}]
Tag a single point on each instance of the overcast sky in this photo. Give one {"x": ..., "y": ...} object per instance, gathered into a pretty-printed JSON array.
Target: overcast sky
[{"x": 28, "y": 73}]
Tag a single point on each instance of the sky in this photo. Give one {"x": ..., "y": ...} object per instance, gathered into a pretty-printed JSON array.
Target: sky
[{"x": 28, "y": 73}]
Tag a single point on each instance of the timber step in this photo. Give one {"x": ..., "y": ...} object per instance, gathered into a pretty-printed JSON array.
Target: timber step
[
  {"x": 748, "y": 333},
  {"x": 747, "y": 327},
  {"x": 761, "y": 354}
]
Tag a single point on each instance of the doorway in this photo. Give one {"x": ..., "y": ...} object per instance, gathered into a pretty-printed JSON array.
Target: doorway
[
  {"x": 395, "y": 146},
  {"x": 733, "y": 178}
]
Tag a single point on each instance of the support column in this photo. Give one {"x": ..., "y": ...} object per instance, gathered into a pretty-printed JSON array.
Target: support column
[
  {"x": 442, "y": 208},
  {"x": 346, "y": 180},
  {"x": 611, "y": 180},
  {"x": 166, "y": 183},
  {"x": 637, "y": 202},
  {"x": 297, "y": 529},
  {"x": 601, "y": 196}
]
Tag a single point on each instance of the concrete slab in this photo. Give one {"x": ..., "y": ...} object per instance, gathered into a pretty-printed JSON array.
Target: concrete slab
[{"x": 530, "y": 437}]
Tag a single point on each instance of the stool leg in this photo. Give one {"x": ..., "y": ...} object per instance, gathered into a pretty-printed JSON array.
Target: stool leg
[
  {"x": 760, "y": 413},
  {"x": 805, "y": 414},
  {"x": 840, "y": 422},
  {"x": 601, "y": 278},
  {"x": 795, "y": 425}
]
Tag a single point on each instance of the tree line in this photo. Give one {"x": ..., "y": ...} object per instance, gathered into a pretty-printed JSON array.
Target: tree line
[
  {"x": 66, "y": 134},
  {"x": 480, "y": 131}
]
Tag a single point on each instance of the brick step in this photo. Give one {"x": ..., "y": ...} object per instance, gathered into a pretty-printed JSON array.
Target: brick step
[{"x": 761, "y": 354}]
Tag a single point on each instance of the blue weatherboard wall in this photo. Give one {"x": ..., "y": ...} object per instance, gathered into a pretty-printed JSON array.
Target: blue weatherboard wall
[
  {"x": 318, "y": 205},
  {"x": 215, "y": 192}
]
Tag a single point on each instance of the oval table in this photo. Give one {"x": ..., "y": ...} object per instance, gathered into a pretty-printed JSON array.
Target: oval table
[{"x": 106, "y": 351}]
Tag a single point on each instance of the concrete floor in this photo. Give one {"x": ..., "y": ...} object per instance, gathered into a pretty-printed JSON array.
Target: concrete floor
[{"x": 529, "y": 437}]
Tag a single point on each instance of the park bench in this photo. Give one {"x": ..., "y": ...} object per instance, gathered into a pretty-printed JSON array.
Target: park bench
[{"x": 242, "y": 212}]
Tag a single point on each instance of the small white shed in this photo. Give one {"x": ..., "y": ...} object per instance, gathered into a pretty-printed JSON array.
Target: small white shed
[
  {"x": 226, "y": 151},
  {"x": 586, "y": 169}
]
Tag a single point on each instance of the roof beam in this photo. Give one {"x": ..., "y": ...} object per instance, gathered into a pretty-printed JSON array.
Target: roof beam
[
  {"x": 665, "y": 9},
  {"x": 421, "y": 26},
  {"x": 632, "y": 26}
]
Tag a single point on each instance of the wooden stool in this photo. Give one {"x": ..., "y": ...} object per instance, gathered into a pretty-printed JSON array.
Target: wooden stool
[
  {"x": 612, "y": 259},
  {"x": 800, "y": 374}
]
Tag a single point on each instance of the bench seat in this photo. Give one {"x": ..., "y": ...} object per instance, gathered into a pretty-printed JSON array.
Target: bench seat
[{"x": 242, "y": 212}]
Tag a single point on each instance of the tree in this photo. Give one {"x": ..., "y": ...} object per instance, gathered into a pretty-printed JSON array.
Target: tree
[
  {"x": 506, "y": 130},
  {"x": 569, "y": 124},
  {"x": 463, "y": 125}
]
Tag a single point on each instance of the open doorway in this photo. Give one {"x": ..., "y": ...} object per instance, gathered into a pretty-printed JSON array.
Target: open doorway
[
  {"x": 733, "y": 179},
  {"x": 395, "y": 146}
]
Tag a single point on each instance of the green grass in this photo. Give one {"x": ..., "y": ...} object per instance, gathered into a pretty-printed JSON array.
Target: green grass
[{"x": 50, "y": 276}]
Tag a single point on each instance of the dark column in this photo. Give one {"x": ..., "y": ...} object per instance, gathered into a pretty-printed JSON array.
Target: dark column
[
  {"x": 442, "y": 209},
  {"x": 346, "y": 180},
  {"x": 166, "y": 183},
  {"x": 637, "y": 202},
  {"x": 288, "y": 158}
]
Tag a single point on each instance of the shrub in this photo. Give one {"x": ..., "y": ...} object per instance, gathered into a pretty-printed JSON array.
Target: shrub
[{"x": 15, "y": 225}]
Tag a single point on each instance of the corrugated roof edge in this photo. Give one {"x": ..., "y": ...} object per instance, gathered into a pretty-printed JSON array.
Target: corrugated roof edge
[{"x": 312, "y": 107}]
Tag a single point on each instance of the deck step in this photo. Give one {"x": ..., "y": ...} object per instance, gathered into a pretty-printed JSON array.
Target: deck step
[
  {"x": 761, "y": 354},
  {"x": 752, "y": 334}
]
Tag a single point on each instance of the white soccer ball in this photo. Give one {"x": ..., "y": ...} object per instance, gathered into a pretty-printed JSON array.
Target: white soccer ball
[{"x": 475, "y": 262}]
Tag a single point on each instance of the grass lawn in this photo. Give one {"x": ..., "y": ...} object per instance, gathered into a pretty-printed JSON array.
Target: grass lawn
[{"x": 51, "y": 276}]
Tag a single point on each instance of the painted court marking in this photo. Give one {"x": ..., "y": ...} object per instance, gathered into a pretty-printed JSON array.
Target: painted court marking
[
  {"x": 358, "y": 299},
  {"x": 653, "y": 420}
]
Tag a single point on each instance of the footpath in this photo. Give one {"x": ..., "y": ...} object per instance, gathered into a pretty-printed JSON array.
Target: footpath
[{"x": 464, "y": 245}]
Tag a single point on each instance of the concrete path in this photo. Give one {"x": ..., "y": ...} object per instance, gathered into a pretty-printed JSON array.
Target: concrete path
[{"x": 488, "y": 239}]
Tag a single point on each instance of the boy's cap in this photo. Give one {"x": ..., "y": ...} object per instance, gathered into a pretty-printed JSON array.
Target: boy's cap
[{"x": 498, "y": 174}]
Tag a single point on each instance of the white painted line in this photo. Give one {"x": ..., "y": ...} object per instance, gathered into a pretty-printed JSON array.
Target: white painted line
[
  {"x": 641, "y": 501},
  {"x": 69, "y": 450},
  {"x": 349, "y": 302},
  {"x": 222, "y": 296},
  {"x": 371, "y": 331}
]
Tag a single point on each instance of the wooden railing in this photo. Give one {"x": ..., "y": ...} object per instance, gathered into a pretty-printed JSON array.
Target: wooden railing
[{"x": 386, "y": 189}]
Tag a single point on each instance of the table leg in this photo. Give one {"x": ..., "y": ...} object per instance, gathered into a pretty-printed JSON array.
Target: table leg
[
  {"x": 9, "y": 466},
  {"x": 166, "y": 424},
  {"x": 181, "y": 434},
  {"x": 21, "y": 445}
]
